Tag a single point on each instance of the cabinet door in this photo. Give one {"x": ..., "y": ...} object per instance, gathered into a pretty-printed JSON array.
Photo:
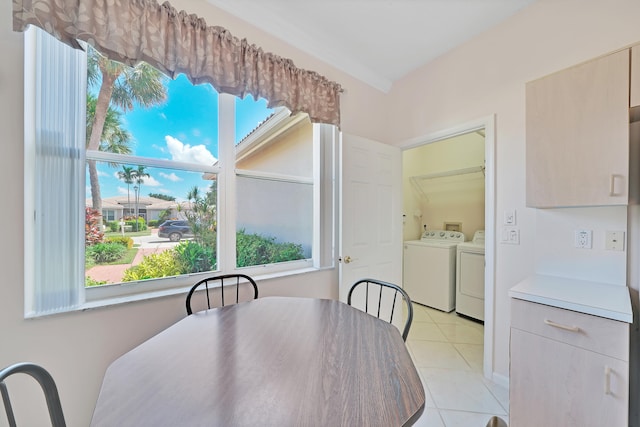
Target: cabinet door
[
  {"x": 577, "y": 130},
  {"x": 556, "y": 384}
]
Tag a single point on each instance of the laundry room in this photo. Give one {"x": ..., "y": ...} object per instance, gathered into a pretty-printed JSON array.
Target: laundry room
[{"x": 444, "y": 221}]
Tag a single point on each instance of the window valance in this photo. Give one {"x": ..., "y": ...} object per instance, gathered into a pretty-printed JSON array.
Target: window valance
[{"x": 175, "y": 42}]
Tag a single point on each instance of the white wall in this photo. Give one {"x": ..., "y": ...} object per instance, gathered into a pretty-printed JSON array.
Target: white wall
[
  {"x": 77, "y": 347},
  {"x": 487, "y": 76},
  {"x": 457, "y": 198}
]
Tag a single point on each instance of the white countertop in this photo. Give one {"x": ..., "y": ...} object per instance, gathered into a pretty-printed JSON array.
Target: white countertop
[{"x": 595, "y": 298}]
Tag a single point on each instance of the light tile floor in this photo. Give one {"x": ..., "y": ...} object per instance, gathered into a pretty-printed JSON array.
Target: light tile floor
[{"x": 447, "y": 349}]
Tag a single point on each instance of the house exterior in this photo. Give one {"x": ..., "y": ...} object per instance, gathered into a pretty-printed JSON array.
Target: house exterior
[
  {"x": 282, "y": 145},
  {"x": 149, "y": 208},
  {"x": 485, "y": 76}
]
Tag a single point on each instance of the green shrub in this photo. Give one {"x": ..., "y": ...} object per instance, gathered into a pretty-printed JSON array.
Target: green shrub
[
  {"x": 253, "y": 249},
  {"x": 161, "y": 264},
  {"x": 88, "y": 282},
  {"x": 153, "y": 223},
  {"x": 106, "y": 252},
  {"x": 125, "y": 241},
  {"x": 142, "y": 225},
  {"x": 194, "y": 258}
]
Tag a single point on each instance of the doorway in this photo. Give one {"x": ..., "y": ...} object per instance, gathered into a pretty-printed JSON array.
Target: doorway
[{"x": 461, "y": 176}]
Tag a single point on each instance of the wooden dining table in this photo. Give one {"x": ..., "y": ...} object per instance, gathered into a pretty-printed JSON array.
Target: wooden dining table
[{"x": 274, "y": 361}]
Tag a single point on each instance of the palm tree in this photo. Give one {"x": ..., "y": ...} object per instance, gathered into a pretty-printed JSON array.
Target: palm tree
[
  {"x": 127, "y": 174},
  {"x": 139, "y": 175},
  {"x": 123, "y": 87},
  {"x": 115, "y": 139}
]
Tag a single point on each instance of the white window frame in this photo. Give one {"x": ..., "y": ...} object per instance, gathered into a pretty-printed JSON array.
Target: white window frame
[{"x": 325, "y": 139}]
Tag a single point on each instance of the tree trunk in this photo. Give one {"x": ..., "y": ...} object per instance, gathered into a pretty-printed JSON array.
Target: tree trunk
[
  {"x": 96, "y": 198},
  {"x": 102, "y": 105}
]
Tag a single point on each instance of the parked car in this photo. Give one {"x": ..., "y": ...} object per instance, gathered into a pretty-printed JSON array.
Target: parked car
[{"x": 175, "y": 230}]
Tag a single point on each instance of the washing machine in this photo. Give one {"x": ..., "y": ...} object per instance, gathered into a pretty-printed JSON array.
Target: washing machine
[
  {"x": 470, "y": 277},
  {"x": 429, "y": 269}
]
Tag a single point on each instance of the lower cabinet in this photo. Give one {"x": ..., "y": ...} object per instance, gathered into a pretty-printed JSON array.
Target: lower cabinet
[{"x": 567, "y": 368}]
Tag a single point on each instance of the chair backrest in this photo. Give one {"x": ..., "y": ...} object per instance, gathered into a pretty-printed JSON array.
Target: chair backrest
[
  {"x": 221, "y": 285},
  {"x": 48, "y": 386},
  {"x": 377, "y": 297}
]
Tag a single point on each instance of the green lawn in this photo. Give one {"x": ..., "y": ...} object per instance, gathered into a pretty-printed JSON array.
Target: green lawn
[
  {"x": 126, "y": 259},
  {"x": 146, "y": 232}
]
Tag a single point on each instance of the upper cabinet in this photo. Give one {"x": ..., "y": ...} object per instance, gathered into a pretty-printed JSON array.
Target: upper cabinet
[
  {"x": 577, "y": 130},
  {"x": 635, "y": 77}
]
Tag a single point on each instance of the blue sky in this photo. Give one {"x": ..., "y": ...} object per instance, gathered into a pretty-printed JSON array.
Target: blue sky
[{"x": 184, "y": 128}]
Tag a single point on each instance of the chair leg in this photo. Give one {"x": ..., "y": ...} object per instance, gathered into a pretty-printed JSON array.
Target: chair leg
[{"x": 7, "y": 405}]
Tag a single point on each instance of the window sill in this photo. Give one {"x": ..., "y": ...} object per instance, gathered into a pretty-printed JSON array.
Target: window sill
[{"x": 178, "y": 290}]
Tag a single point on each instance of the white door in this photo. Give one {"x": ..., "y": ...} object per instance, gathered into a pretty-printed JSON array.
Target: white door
[{"x": 371, "y": 213}]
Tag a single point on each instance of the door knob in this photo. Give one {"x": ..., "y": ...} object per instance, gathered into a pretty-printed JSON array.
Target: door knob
[{"x": 346, "y": 259}]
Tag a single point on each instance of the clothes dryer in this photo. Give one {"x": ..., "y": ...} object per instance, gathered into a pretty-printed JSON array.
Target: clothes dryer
[
  {"x": 429, "y": 269},
  {"x": 470, "y": 277}
]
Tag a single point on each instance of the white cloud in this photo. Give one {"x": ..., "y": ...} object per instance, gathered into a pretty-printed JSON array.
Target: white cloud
[
  {"x": 123, "y": 191},
  {"x": 150, "y": 181},
  {"x": 196, "y": 132},
  {"x": 170, "y": 176},
  {"x": 186, "y": 153}
]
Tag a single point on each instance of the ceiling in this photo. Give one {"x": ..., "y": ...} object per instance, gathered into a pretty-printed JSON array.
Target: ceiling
[{"x": 375, "y": 41}]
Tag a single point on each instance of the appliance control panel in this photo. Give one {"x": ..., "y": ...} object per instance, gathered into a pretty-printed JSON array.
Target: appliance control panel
[
  {"x": 478, "y": 237},
  {"x": 452, "y": 236}
]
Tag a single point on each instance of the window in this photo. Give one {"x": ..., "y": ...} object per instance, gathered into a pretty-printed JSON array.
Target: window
[{"x": 181, "y": 182}]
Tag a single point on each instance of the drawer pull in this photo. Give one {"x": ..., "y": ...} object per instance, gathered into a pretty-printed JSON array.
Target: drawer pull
[
  {"x": 607, "y": 380},
  {"x": 558, "y": 325}
]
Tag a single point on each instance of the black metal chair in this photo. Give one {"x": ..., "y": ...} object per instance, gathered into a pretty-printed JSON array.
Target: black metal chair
[
  {"x": 378, "y": 298},
  {"x": 496, "y": 422},
  {"x": 48, "y": 386},
  {"x": 235, "y": 280}
]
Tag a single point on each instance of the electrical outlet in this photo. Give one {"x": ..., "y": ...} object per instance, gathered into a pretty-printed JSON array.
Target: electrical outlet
[{"x": 582, "y": 239}]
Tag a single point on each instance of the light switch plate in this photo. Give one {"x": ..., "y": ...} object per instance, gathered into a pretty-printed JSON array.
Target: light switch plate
[
  {"x": 509, "y": 217},
  {"x": 511, "y": 235}
]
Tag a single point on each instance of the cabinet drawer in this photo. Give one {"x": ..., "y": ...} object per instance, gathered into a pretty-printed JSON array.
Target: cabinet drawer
[{"x": 604, "y": 336}]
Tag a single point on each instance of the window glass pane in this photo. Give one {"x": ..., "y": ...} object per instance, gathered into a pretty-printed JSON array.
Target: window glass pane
[
  {"x": 175, "y": 232},
  {"x": 249, "y": 115},
  {"x": 274, "y": 187},
  {"x": 183, "y": 128},
  {"x": 282, "y": 145},
  {"x": 274, "y": 221}
]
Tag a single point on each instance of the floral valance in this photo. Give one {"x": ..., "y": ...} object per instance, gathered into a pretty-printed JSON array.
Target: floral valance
[{"x": 175, "y": 42}]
